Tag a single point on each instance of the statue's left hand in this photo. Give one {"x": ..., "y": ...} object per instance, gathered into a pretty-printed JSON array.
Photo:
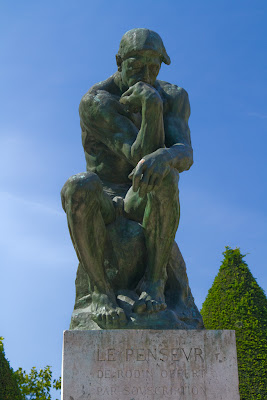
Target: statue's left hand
[{"x": 150, "y": 171}]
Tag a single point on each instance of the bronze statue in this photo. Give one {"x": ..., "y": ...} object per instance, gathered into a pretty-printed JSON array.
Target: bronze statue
[{"x": 136, "y": 141}]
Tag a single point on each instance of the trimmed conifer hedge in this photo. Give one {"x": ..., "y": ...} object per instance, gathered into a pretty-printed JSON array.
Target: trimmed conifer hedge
[
  {"x": 235, "y": 301},
  {"x": 9, "y": 389}
]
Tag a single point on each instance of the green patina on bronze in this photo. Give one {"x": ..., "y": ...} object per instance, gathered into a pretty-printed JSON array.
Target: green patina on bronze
[{"x": 124, "y": 211}]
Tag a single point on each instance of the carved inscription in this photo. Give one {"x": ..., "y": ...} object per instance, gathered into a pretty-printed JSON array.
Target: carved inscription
[
  {"x": 137, "y": 373},
  {"x": 149, "y": 391},
  {"x": 152, "y": 365},
  {"x": 173, "y": 367},
  {"x": 142, "y": 354}
]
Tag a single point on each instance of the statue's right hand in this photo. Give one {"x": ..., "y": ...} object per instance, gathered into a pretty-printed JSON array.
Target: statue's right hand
[{"x": 139, "y": 94}]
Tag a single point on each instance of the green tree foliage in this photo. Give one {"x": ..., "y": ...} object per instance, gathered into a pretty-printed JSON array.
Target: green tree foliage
[
  {"x": 9, "y": 389},
  {"x": 37, "y": 384},
  {"x": 235, "y": 301}
]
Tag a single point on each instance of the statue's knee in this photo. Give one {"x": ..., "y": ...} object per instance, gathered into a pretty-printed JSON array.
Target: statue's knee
[
  {"x": 79, "y": 190},
  {"x": 170, "y": 182}
]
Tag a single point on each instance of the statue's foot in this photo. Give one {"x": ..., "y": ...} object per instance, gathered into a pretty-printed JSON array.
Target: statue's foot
[
  {"x": 106, "y": 312},
  {"x": 152, "y": 299}
]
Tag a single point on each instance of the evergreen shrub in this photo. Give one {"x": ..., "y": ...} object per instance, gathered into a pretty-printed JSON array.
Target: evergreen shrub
[{"x": 235, "y": 301}]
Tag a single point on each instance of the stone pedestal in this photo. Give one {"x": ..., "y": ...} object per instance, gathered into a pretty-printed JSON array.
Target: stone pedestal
[{"x": 149, "y": 365}]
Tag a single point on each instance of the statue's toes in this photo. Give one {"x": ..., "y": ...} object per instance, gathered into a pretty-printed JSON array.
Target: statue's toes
[
  {"x": 155, "y": 306},
  {"x": 104, "y": 320},
  {"x": 110, "y": 318},
  {"x": 148, "y": 306},
  {"x": 116, "y": 319},
  {"x": 99, "y": 317},
  {"x": 161, "y": 306},
  {"x": 139, "y": 307}
]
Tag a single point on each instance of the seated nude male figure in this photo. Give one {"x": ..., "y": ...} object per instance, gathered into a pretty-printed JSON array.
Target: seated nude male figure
[{"x": 136, "y": 140}]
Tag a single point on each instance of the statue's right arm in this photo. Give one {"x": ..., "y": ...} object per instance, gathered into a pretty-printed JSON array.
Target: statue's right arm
[{"x": 106, "y": 119}]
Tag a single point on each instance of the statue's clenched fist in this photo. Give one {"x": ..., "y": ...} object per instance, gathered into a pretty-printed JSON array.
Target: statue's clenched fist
[{"x": 139, "y": 94}]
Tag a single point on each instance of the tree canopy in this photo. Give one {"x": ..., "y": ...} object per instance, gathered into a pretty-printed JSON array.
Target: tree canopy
[{"x": 37, "y": 384}]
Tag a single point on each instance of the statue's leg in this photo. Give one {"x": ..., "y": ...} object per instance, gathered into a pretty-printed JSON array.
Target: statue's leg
[
  {"x": 160, "y": 222},
  {"x": 88, "y": 210}
]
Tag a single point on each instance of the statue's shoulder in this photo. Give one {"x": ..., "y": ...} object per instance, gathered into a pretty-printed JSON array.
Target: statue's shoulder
[
  {"x": 107, "y": 85},
  {"x": 172, "y": 91},
  {"x": 176, "y": 98}
]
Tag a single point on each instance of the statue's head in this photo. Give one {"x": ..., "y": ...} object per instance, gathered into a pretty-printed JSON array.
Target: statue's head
[{"x": 140, "y": 56}]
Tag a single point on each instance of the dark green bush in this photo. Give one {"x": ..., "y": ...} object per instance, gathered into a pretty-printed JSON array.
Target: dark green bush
[
  {"x": 236, "y": 301},
  {"x": 9, "y": 389}
]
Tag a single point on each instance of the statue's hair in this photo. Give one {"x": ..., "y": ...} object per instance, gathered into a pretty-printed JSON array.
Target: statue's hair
[{"x": 139, "y": 39}]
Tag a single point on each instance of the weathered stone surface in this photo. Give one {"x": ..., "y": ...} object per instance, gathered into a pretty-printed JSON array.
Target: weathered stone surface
[{"x": 150, "y": 365}]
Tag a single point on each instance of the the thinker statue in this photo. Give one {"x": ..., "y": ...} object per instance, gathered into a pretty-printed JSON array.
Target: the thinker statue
[{"x": 123, "y": 212}]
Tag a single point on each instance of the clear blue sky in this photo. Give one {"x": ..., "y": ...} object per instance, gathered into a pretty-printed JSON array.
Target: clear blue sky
[{"x": 51, "y": 52}]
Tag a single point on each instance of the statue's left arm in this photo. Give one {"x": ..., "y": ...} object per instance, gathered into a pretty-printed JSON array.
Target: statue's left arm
[{"x": 177, "y": 133}]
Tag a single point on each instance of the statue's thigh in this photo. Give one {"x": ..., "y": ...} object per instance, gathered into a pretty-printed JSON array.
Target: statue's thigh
[{"x": 134, "y": 206}]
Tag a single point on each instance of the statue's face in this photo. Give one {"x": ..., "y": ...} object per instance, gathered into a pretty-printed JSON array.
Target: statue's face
[{"x": 142, "y": 66}]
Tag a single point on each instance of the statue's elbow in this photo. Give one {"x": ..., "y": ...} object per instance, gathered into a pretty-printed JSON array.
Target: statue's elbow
[
  {"x": 82, "y": 107},
  {"x": 189, "y": 159},
  {"x": 86, "y": 106}
]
